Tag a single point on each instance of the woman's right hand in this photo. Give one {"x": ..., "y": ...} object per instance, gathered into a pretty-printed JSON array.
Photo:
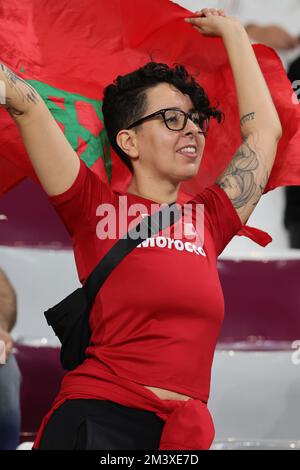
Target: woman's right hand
[{"x": 214, "y": 23}]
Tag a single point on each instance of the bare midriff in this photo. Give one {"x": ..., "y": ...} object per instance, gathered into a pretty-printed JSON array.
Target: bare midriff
[{"x": 167, "y": 394}]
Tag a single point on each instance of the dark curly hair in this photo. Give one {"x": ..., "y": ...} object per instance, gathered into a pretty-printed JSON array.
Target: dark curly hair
[{"x": 125, "y": 101}]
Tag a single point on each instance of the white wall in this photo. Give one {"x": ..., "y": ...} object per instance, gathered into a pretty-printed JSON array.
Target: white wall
[
  {"x": 41, "y": 279},
  {"x": 267, "y": 216},
  {"x": 256, "y": 395}
]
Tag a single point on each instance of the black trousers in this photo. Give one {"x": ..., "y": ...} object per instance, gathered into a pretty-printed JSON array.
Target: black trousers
[
  {"x": 292, "y": 193},
  {"x": 101, "y": 425}
]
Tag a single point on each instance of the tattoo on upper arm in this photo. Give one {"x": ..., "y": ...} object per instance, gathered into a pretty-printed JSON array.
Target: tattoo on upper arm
[
  {"x": 261, "y": 187},
  {"x": 240, "y": 177},
  {"x": 25, "y": 92},
  {"x": 246, "y": 118}
]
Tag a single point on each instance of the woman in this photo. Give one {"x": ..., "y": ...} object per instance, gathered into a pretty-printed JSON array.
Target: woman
[{"x": 145, "y": 381}]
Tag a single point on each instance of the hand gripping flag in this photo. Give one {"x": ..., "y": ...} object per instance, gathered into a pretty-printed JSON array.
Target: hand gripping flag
[{"x": 69, "y": 51}]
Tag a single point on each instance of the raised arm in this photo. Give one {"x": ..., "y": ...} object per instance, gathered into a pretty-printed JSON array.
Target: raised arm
[
  {"x": 54, "y": 160},
  {"x": 245, "y": 178}
]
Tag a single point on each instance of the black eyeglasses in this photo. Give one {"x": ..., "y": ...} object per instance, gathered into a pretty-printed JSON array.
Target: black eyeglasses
[{"x": 175, "y": 119}]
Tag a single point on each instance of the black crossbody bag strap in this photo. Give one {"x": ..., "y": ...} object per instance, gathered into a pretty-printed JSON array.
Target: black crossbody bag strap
[
  {"x": 149, "y": 226},
  {"x": 70, "y": 317}
]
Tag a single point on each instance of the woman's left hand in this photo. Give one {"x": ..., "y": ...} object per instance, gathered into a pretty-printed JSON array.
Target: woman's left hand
[{"x": 214, "y": 23}]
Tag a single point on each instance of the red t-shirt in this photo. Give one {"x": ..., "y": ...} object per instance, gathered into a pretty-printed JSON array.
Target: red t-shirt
[{"x": 157, "y": 317}]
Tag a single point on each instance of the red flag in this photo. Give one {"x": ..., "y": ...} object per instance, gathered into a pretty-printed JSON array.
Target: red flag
[
  {"x": 10, "y": 175},
  {"x": 69, "y": 51}
]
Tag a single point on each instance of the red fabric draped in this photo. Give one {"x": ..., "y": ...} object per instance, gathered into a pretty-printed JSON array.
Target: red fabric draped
[{"x": 70, "y": 50}]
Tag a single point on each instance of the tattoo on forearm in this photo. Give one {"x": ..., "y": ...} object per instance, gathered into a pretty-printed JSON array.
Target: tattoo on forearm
[
  {"x": 247, "y": 117},
  {"x": 239, "y": 179},
  {"x": 25, "y": 92},
  {"x": 261, "y": 187}
]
